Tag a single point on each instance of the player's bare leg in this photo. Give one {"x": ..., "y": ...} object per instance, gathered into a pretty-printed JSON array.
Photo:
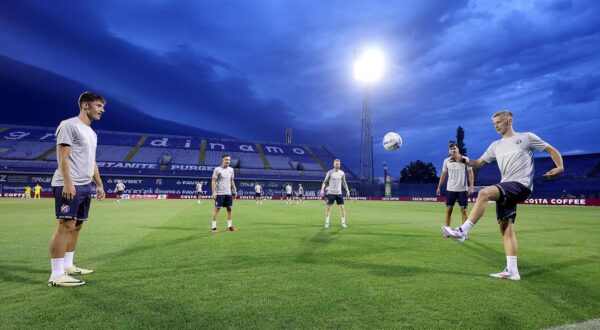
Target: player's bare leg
[
  {"x": 448, "y": 218},
  {"x": 327, "y": 213},
  {"x": 343, "y": 216},
  {"x": 230, "y": 219},
  {"x": 215, "y": 216},
  {"x": 57, "y": 248},
  {"x": 73, "y": 237},
  {"x": 491, "y": 193},
  {"x": 511, "y": 272}
]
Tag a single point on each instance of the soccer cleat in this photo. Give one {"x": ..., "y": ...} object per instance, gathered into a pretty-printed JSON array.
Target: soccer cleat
[
  {"x": 78, "y": 271},
  {"x": 65, "y": 280},
  {"x": 344, "y": 225},
  {"x": 505, "y": 274},
  {"x": 445, "y": 235},
  {"x": 326, "y": 225},
  {"x": 456, "y": 233},
  {"x": 231, "y": 229},
  {"x": 214, "y": 230}
]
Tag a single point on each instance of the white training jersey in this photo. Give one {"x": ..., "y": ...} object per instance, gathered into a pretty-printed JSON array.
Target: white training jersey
[
  {"x": 120, "y": 186},
  {"x": 515, "y": 157},
  {"x": 457, "y": 175},
  {"x": 223, "y": 178},
  {"x": 257, "y": 189},
  {"x": 301, "y": 190},
  {"x": 82, "y": 161},
  {"x": 333, "y": 180},
  {"x": 198, "y": 187},
  {"x": 288, "y": 189}
]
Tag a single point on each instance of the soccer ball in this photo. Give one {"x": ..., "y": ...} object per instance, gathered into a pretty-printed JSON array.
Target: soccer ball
[{"x": 392, "y": 141}]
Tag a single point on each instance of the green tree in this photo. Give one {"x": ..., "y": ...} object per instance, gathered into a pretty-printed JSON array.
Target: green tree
[{"x": 419, "y": 172}]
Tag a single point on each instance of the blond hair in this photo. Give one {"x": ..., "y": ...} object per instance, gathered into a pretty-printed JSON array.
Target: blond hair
[{"x": 503, "y": 113}]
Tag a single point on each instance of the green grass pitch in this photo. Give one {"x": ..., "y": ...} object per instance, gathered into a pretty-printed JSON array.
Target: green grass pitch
[{"x": 158, "y": 266}]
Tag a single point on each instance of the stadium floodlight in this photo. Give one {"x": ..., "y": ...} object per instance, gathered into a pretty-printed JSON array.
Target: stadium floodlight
[{"x": 368, "y": 66}]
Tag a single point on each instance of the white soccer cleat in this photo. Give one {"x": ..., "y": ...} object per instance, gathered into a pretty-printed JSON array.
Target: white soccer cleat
[
  {"x": 456, "y": 233},
  {"x": 326, "y": 225},
  {"x": 78, "y": 271},
  {"x": 65, "y": 280},
  {"x": 344, "y": 225},
  {"x": 505, "y": 274}
]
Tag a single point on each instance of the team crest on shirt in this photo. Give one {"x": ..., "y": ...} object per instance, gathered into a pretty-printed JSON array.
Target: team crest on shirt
[
  {"x": 518, "y": 141},
  {"x": 65, "y": 209}
]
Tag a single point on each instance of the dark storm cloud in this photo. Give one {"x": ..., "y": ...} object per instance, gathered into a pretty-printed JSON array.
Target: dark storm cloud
[{"x": 250, "y": 69}]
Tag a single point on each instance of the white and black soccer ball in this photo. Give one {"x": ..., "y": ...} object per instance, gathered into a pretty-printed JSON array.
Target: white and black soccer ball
[{"x": 392, "y": 141}]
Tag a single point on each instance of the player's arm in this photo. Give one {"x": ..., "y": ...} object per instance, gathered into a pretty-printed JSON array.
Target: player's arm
[
  {"x": 476, "y": 163},
  {"x": 558, "y": 161},
  {"x": 471, "y": 181},
  {"x": 442, "y": 179},
  {"x": 64, "y": 152},
  {"x": 233, "y": 187},
  {"x": 98, "y": 181},
  {"x": 213, "y": 185},
  {"x": 346, "y": 186}
]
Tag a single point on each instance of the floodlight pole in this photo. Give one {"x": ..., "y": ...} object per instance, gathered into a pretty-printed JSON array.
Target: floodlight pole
[{"x": 367, "y": 171}]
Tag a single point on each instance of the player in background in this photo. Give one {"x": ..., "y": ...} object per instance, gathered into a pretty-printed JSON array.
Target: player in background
[
  {"x": 334, "y": 180},
  {"x": 37, "y": 190},
  {"x": 258, "y": 191},
  {"x": 223, "y": 187},
  {"x": 514, "y": 155},
  {"x": 300, "y": 194},
  {"x": 76, "y": 156},
  {"x": 199, "y": 191},
  {"x": 288, "y": 194},
  {"x": 120, "y": 190},
  {"x": 27, "y": 193},
  {"x": 457, "y": 189}
]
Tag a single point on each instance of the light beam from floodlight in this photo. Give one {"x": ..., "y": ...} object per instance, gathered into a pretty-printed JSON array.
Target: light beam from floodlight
[{"x": 368, "y": 66}]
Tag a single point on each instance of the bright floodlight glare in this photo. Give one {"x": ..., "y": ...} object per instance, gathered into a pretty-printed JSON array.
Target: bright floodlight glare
[{"x": 368, "y": 67}]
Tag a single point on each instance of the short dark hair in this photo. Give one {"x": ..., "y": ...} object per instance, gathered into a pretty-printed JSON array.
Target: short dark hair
[
  {"x": 452, "y": 144},
  {"x": 90, "y": 97},
  {"x": 225, "y": 155}
]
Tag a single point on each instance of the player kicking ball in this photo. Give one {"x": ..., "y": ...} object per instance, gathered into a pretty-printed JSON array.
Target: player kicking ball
[
  {"x": 71, "y": 183},
  {"x": 223, "y": 189},
  {"x": 334, "y": 180},
  {"x": 514, "y": 154}
]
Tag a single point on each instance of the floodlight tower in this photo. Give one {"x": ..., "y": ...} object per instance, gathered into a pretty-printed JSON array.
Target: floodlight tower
[{"x": 368, "y": 68}]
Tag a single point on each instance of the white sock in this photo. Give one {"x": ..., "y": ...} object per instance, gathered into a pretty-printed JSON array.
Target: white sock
[
  {"x": 343, "y": 221},
  {"x": 58, "y": 266},
  {"x": 214, "y": 224},
  {"x": 229, "y": 223},
  {"x": 326, "y": 220},
  {"x": 69, "y": 259},
  {"x": 511, "y": 264},
  {"x": 467, "y": 226}
]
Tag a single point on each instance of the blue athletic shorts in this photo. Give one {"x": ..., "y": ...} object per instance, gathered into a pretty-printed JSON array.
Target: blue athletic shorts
[
  {"x": 75, "y": 209},
  {"x": 511, "y": 193},
  {"x": 456, "y": 196},
  {"x": 224, "y": 201},
  {"x": 339, "y": 199}
]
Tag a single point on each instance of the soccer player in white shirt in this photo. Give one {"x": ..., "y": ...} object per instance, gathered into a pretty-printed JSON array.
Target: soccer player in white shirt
[
  {"x": 120, "y": 189},
  {"x": 456, "y": 188},
  {"x": 334, "y": 180},
  {"x": 223, "y": 189},
  {"x": 514, "y": 155},
  {"x": 288, "y": 193},
  {"x": 258, "y": 193},
  {"x": 76, "y": 156},
  {"x": 199, "y": 191},
  {"x": 300, "y": 194}
]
